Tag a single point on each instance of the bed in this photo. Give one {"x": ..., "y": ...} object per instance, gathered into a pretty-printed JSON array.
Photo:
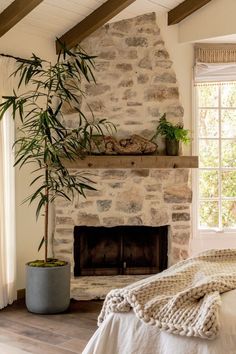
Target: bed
[{"x": 125, "y": 333}]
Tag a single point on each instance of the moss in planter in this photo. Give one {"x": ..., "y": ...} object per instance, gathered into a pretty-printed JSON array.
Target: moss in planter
[{"x": 51, "y": 262}]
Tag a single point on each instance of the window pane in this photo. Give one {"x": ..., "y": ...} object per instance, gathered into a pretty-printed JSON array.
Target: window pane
[
  {"x": 208, "y": 153},
  {"x": 208, "y": 95},
  {"x": 228, "y": 95},
  {"x": 209, "y": 123},
  {"x": 229, "y": 184},
  {"x": 208, "y": 184},
  {"x": 217, "y": 155},
  {"x": 229, "y": 153},
  {"x": 229, "y": 213},
  {"x": 209, "y": 216},
  {"x": 228, "y": 123}
]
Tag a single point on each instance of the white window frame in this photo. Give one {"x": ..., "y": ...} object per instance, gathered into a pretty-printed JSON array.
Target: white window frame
[{"x": 217, "y": 237}]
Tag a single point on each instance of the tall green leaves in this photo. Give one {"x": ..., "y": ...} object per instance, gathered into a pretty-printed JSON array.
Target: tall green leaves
[{"x": 43, "y": 139}]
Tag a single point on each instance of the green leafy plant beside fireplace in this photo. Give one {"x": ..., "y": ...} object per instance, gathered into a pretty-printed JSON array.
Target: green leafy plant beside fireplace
[{"x": 45, "y": 142}]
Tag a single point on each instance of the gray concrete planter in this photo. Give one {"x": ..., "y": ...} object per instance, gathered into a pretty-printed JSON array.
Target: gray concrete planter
[{"x": 47, "y": 289}]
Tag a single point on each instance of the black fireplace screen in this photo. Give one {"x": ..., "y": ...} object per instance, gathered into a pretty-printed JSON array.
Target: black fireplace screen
[{"x": 120, "y": 250}]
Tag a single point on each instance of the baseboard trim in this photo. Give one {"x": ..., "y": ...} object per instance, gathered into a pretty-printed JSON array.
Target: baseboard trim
[{"x": 20, "y": 294}]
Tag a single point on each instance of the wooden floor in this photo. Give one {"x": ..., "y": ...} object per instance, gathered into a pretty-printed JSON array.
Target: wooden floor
[{"x": 22, "y": 332}]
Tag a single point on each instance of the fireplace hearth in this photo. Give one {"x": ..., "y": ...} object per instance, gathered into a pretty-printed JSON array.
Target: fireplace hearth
[{"x": 120, "y": 250}]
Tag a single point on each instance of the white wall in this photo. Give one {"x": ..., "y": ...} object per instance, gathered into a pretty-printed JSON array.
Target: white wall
[
  {"x": 28, "y": 232},
  {"x": 215, "y": 19},
  {"x": 182, "y": 57}
]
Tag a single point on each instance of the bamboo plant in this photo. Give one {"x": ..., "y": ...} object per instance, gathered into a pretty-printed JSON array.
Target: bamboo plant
[{"x": 44, "y": 140}]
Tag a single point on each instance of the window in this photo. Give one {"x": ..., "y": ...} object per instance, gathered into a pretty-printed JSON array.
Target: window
[{"x": 216, "y": 145}]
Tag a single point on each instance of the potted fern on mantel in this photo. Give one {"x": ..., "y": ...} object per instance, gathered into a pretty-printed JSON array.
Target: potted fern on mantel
[
  {"x": 173, "y": 134},
  {"x": 47, "y": 143}
]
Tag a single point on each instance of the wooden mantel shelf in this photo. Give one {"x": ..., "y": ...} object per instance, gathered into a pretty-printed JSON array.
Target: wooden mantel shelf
[{"x": 144, "y": 161}]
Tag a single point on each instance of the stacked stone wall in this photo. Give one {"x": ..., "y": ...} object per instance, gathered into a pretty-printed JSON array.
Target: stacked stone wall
[
  {"x": 135, "y": 80},
  {"x": 130, "y": 197},
  {"x": 136, "y": 84}
]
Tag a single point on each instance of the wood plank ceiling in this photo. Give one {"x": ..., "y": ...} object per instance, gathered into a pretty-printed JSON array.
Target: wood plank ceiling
[
  {"x": 73, "y": 20},
  {"x": 15, "y": 12},
  {"x": 53, "y": 18},
  {"x": 92, "y": 22}
]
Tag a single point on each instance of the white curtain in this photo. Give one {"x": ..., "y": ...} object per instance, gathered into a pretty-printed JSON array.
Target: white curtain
[
  {"x": 7, "y": 193},
  {"x": 215, "y": 72}
]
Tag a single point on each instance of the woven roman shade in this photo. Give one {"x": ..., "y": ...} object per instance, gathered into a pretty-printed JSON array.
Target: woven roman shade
[
  {"x": 214, "y": 62},
  {"x": 215, "y": 53}
]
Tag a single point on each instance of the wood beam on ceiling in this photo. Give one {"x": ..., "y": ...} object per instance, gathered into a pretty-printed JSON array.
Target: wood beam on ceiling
[
  {"x": 184, "y": 9},
  {"x": 17, "y": 10},
  {"x": 91, "y": 23}
]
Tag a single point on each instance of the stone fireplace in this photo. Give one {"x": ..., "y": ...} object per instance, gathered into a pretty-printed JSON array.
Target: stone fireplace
[
  {"x": 136, "y": 84},
  {"x": 144, "y": 197}
]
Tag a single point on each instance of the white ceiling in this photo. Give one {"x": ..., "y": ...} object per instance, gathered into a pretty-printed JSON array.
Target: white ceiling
[
  {"x": 4, "y": 4},
  {"x": 140, "y": 7},
  {"x": 52, "y": 18}
]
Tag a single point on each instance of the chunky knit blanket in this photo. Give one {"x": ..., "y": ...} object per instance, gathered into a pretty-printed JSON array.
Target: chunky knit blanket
[{"x": 184, "y": 299}]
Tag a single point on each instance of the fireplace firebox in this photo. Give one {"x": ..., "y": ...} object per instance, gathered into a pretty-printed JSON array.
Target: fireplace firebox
[{"x": 120, "y": 250}]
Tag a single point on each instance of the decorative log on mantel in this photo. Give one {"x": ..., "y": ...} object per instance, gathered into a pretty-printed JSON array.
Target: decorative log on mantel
[{"x": 142, "y": 161}]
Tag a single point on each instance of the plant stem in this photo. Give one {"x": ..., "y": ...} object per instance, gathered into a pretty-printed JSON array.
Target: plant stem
[
  {"x": 47, "y": 188},
  {"x": 46, "y": 216}
]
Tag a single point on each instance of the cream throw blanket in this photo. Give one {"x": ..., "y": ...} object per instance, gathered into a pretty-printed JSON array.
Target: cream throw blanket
[{"x": 184, "y": 299}]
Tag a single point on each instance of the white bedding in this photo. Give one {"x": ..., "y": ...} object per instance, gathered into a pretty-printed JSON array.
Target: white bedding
[{"x": 124, "y": 333}]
